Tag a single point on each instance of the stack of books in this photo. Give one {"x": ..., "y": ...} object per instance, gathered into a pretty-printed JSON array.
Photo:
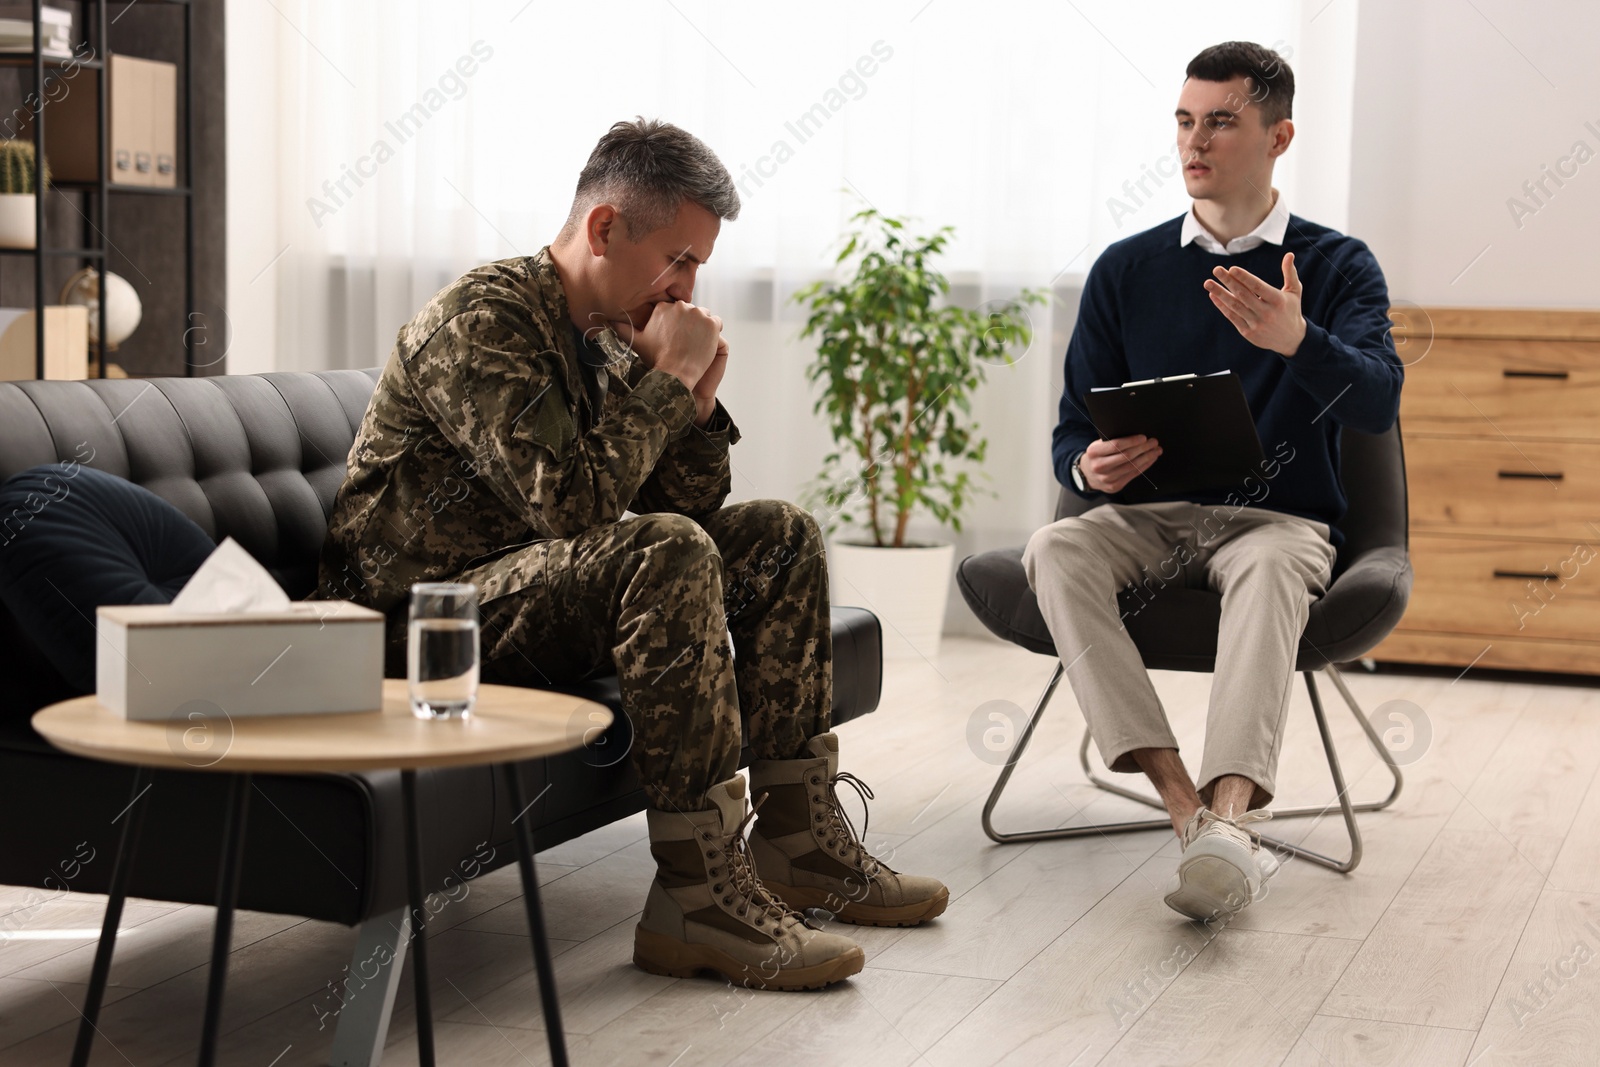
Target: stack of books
[{"x": 16, "y": 30}]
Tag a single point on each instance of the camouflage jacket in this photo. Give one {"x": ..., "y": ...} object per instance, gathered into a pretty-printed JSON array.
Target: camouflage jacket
[{"x": 482, "y": 438}]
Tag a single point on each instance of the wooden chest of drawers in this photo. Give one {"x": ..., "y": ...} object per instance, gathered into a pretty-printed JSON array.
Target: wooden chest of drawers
[{"x": 1501, "y": 420}]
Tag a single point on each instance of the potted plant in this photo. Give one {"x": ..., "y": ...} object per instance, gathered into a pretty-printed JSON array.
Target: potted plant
[
  {"x": 17, "y": 194},
  {"x": 898, "y": 365}
]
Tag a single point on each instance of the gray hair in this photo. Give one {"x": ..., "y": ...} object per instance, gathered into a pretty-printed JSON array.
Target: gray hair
[{"x": 647, "y": 168}]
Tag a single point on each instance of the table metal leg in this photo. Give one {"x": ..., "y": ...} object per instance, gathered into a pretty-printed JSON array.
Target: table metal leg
[
  {"x": 121, "y": 872},
  {"x": 541, "y": 941},
  {"x": 228, "y": 872},
  {"x": 419, "y": 920}
]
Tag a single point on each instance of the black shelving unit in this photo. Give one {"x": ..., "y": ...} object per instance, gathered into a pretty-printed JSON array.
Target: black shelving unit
[{"x": 95, "y": 242}]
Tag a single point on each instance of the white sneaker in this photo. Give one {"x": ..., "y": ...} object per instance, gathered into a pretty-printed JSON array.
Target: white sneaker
[{"x": 1223, "y": 868}]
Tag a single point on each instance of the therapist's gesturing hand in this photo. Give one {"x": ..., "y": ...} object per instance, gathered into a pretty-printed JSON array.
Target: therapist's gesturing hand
[
  {"x": 1109, "y": 465},
  {"x": 1266, "y": 317}
]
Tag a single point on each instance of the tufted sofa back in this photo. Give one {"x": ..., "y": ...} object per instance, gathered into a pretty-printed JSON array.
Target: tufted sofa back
[{"x": 255, "y": 457}]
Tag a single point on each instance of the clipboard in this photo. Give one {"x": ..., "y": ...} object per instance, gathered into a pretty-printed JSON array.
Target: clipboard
[{"x": 1207, "y": 434}]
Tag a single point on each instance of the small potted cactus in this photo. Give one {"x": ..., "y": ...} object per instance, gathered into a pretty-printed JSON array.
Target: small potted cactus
[{"x": 17, "y": 194}]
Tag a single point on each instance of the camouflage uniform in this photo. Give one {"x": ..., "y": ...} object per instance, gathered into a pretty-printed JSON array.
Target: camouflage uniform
[{"x": 501, "y": 449}]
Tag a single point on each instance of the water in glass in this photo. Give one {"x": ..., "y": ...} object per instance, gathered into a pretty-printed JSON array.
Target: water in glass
[{"x": 443, "y": 667}]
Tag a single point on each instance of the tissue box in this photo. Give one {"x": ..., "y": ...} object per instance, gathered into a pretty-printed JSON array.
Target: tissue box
[{"x": 318, "y": 656}]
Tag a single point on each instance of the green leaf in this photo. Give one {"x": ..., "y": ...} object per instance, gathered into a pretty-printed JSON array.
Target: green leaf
[{"x": 890, "y": 349}]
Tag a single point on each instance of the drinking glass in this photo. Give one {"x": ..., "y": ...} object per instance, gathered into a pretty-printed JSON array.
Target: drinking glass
[{"x": 442, "y": 649}]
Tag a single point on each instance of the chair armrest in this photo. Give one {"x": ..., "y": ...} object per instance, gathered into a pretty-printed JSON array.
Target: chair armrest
[{"x": 1363, "y": 603}]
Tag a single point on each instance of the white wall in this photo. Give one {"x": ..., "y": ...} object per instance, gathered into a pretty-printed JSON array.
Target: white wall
[
  {"x": 252, "y": 118},
  {"x": 1456, "y": 106},
  {"x": 1317, "y": 166}
]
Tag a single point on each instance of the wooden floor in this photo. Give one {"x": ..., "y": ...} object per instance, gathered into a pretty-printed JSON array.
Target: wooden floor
[{"x": 1470, "y": 934}]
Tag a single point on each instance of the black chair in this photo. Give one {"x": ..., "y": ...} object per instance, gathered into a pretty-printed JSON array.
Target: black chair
[{"x": 1177, "y": 631}]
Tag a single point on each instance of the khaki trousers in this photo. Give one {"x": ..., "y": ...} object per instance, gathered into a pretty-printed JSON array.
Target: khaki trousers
[{"x": 1267, "y": 565}]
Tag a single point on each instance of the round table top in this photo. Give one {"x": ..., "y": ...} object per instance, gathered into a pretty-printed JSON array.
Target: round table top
[{"x": 508, "y": 723}]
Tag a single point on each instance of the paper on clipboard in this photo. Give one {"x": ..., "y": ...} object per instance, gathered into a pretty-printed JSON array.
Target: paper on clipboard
[{"x": 1153, "y": 381}]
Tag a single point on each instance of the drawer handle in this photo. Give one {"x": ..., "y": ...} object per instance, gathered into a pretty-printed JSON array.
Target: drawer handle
[
  {"x": 1536, "y": 576},
  {"x": 1554, "y": 476},
  {"x": 1554, "y": 375}
]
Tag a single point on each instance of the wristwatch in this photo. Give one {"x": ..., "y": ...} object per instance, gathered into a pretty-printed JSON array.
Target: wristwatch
[{"x": 1077, "y": 474}]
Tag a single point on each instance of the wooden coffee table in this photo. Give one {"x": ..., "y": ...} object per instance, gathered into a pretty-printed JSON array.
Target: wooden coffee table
[{"x": 508, "y": 724}]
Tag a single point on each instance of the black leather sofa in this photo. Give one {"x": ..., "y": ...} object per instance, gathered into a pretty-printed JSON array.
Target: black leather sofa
[{"x": 259, "y": 458}]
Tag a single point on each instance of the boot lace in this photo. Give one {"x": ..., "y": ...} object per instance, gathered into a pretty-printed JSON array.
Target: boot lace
[
  {"x": 744, "y": 884},
  {"x": 840, "y": 831}
]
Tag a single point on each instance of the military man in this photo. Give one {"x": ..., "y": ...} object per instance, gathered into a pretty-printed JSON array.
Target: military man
[{"x": 528, "y": 407}]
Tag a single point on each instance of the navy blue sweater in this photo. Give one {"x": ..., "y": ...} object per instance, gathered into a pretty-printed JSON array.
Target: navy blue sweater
[{"x": 1145, "y": 313}]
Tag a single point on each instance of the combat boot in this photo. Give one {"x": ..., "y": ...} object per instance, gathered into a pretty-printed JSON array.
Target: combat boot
[
  {"x": 809, "y": 854},
  {"x": 707, "y": 910}
]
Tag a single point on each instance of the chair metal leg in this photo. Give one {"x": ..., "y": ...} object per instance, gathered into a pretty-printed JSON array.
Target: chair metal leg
[
  {"x": 1342, "y": 792},
  {"x": 1378, "y": 746},
  {"x": 1011, "y": 765},
  {"x": 1347, "y": 809}
]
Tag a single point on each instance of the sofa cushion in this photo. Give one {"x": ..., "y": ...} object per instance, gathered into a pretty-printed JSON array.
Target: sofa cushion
[{"x": 73, "y": 538}]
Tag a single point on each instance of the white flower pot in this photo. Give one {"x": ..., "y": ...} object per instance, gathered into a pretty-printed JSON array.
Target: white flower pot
[
  {"x": 905, "y": 587},
  {"x": 16, "y": 220}
]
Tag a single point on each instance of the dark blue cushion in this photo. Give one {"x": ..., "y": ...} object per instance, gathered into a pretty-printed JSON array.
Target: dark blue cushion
[{"x": 73, "y": 538}]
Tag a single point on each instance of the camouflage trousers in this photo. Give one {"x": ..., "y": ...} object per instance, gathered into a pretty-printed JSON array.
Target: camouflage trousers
[{"x": 655, "y": 599}]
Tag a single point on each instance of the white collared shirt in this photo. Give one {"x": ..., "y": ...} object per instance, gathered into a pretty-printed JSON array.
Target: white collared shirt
[{"x": 1271, "y": 231}]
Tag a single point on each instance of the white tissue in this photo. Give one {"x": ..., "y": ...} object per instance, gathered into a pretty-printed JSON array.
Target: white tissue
[{"x": 230, "y": 582}]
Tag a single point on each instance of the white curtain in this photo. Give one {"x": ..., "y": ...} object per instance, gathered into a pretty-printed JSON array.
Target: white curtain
[{"x": 418, "y": 139}]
